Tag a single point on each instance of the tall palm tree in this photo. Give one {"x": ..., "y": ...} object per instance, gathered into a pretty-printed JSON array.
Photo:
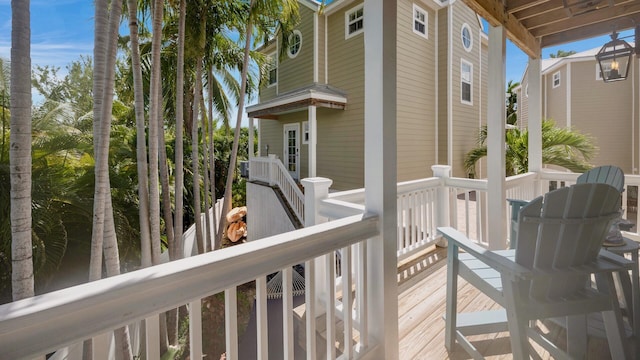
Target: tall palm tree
[
  {"x": 154, "y": 129},
  {"x": 20, "y": 152},
  {"x": 141, "y": 149},
  {"x": 263, "y": 13},
  {"x": 560, "y": 146},
  {"x": 175, "y": 249}
]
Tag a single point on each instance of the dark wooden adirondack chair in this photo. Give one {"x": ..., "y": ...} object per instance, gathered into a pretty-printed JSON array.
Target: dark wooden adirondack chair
[{"x": 546, "y": 276}]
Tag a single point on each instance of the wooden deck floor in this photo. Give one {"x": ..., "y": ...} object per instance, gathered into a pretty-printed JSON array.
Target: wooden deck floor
[{"x": 421, "y": 301}]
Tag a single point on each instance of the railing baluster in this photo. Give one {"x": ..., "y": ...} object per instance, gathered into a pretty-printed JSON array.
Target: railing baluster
[
  {"x": 347, "y": 298},
  {"x": 331, "y": 305},
  {"x": 399, "y": 223},
  {"x": 100, "y": 346},
  {"x": 261, "y": 319},
  {"x": 361, "y": 295},
  {"x": 195, "y": 330},
  {"x": 287, "y": 313},
  {"x": 231, "y": 322},
  {"x": 153, "y": 336},
  {"x": 310, "y": 299}
]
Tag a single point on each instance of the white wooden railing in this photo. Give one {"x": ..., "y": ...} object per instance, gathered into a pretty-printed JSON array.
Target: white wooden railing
[
  {"x": 93, "y": 310},
  {"x": 36, "y": 326},
  {"x": 271, "y": 171}
]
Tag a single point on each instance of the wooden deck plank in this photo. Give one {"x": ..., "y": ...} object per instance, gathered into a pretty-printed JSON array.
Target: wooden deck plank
[{"x": 421, "y": 306}]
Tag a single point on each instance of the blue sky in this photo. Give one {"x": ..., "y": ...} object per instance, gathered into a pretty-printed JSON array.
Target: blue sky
[{"x": 62, "y": 30}]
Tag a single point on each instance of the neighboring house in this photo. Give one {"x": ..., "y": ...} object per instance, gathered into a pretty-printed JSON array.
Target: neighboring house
[
  {"x": 574, "y": 95},
  {"x": 319, "y": 84}
]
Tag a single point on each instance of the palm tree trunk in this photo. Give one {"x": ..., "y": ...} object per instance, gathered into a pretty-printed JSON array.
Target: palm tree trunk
[
  {"x": 154, "y": 125},
  {"x": 164, "y": 180},
  {"x": 228, "y": 189},
  {"x": 103, "y": 227},
  {"x": 22, "y": 282},
  {"x": 175, "y": 251},
  {"x": 202, "y": 247},
  {"x": 141, "y": 148},
  {"x": 212, "y": 154}
]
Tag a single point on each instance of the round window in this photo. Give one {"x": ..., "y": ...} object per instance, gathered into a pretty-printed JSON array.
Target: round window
[
  {"x": 295, "y": 43},
  {"x": 467, "y": 40}
]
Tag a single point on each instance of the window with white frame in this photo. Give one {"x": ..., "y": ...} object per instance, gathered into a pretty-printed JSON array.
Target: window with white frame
[
  {"x": 420, "y": 21},
  {"x": 466, "y": 82},
  {"x": 295, "y": 43},
  {"x": 526, "y": 90},
  {"x": 467, "y": 37},
  {"x": 272, "y": 77},
  {"x": 354, "y": 21},
  {"x": 305, "y": 132},
  {"x": 556, "y": 79}
]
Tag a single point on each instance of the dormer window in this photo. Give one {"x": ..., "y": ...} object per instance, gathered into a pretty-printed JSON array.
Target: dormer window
[
  {"x": 420, "y": 21},
  {"x": 354, "y": 21}
]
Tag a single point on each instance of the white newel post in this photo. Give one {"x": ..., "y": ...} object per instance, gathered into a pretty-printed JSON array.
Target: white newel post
[
  {"x": 272, "y": 161},
  {"x": 442, "y": 214},
  {"x": 315, "y": 190},
  {"x": 380, "y": 177}
]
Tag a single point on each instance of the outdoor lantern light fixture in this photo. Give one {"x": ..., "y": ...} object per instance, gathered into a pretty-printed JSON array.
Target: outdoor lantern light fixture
[{"x": 614, "y": 59}]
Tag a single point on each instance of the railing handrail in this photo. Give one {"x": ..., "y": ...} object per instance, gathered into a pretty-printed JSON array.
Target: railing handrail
[
  {"x": 288, "y": 185},
  {"x": 86, "y": 310}
]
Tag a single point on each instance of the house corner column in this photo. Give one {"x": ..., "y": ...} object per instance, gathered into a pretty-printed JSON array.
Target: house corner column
[
  {"x": 313, "y": 137},
  {"x": 251, "y": 146},
  {"x": 535, "y": 118},
  {"x": 380, "y": 175},
  {"x": 496, "y": 116}
]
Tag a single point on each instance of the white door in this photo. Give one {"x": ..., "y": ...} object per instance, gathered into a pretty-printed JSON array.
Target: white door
[{"x": 291, "y": 158}]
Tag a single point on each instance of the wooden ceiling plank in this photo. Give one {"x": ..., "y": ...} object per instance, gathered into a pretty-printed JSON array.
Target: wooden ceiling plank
[
  {"x": 538, "y": 10},
  {"x": 519, "y": 5},
  {"x": 495, "y": 13},
  {"x": 588, "y": 31},
  {"x": 617, "y": 13}
]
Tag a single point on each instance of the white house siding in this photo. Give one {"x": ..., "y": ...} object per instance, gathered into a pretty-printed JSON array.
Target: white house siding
[
  {"x": 556, "y": 99},
  {"x": 604, "y": 111},
  {"x": 340, "y": 146},
  {"x": 298, "y": 72},
  {"x": 465, "y": 117},
  {"x": 416, "y": 95}
]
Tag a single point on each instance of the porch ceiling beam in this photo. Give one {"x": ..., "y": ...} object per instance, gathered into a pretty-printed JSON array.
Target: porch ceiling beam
[
  {"x": 496, "y": 14},
  {"x": 589, "y": 31},
  {"x": 557, "y": 21}
]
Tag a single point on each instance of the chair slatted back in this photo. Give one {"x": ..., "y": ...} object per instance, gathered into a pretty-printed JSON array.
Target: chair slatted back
[
  {"x": 607, "y": 174},
  {"x": 563, "y": 229}
]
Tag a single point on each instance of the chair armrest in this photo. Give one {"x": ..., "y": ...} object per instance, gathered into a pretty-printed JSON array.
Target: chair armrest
[{"x": 505, "y": 266}]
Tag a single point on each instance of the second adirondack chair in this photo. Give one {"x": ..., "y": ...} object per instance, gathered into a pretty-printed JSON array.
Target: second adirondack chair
[{"x": 546, "y": 276}]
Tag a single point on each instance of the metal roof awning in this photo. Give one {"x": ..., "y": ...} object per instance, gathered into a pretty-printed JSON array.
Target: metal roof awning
[{"x": 320, "y": 95}]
